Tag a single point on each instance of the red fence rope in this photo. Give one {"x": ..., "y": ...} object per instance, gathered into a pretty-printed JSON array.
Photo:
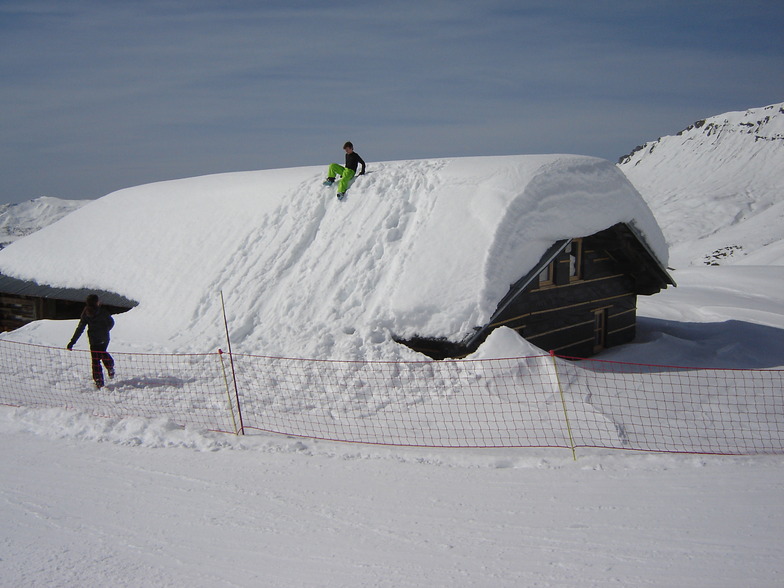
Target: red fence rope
[{"x": 519, "y": 402}]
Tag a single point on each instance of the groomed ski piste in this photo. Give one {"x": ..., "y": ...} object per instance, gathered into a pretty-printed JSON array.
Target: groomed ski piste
[{"x": 214, "y": 509}]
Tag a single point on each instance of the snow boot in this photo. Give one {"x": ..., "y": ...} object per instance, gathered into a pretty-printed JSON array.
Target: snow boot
[
  {"x": 329, "y": 181},
  {"x": 341, "y": 195}
]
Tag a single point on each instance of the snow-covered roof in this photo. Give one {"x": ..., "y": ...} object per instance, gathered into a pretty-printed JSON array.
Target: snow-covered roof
[{"x": 426, "y": 247}]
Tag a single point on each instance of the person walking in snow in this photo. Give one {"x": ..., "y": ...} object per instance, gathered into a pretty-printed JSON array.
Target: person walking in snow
[
  {"x": 98, "y": 322},
  {"x": 347, "y": 172}
]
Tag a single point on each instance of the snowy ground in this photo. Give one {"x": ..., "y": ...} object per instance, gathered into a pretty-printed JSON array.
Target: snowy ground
[
  {"x": 134, "y": 502},
  {"x": 157, "y": 506}
]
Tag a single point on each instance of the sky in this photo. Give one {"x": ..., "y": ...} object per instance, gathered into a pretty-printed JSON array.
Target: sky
[{"x": 99, "y": 95}]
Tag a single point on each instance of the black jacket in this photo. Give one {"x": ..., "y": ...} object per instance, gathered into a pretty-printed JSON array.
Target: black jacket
[
  {"x": 353, "y": 160},
  {"x": 98, "y": 327}
]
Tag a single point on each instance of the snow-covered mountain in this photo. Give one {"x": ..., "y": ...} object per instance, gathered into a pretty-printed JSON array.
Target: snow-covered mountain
[
  {"x": 717, "y": 188},
  {"x": 25, "y": 218}
]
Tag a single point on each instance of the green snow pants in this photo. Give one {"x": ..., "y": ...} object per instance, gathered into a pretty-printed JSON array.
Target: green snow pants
[{"x": 346, "y": 175}]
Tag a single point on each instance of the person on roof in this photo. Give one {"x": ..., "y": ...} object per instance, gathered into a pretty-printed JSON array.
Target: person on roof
[
  {"x": 98, "y": 322},
  {"x": 347, "y": 172}
]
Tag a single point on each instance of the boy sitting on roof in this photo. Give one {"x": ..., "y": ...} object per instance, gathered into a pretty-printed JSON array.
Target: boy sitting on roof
[{"x": 346, "y": 173}]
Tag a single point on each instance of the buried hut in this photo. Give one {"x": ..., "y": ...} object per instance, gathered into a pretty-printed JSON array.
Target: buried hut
[
  {"x": 580, "y": 298},
  {"x": 25, "y": 301},
  {"x": 433, "y": 254}
]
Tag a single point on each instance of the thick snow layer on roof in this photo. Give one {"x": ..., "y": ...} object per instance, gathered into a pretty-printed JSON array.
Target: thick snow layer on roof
[{"x": 423, "y": 248}]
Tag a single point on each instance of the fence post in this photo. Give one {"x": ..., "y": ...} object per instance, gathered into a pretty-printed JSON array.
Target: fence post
[
  {"x": 228, "y": 392},
  {"x": 563, "y": 404},
  {"x": 231, "y": 363}
]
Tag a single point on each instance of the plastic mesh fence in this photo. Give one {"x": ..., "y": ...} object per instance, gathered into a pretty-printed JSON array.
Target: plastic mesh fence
[
  {"x": 678, "y": 409},
  {"x": 188, "y": 389},
  {"x": 521, "y": 402},
  {"x": 493, "y": 403}
]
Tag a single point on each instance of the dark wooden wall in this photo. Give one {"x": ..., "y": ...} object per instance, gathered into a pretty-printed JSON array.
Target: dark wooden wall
[{"x": 561, "y": 315}]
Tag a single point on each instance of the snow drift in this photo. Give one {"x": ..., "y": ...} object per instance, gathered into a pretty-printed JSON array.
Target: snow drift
[{"x": 422, "y": 248}]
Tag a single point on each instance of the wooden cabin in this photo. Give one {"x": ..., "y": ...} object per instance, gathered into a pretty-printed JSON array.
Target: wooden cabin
[
  {"x": 24, "y": 301},
  {"x": 579, "y": 299}
]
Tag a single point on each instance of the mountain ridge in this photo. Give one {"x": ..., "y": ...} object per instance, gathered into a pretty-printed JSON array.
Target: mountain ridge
[
  {"x": 715, "y": 187},
  {"x": 713, "y": 126},
  {"x": 21, "y": 219}
]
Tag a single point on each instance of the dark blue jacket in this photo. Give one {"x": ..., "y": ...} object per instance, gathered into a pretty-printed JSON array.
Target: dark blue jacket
[{"x": 98, "y": 324}]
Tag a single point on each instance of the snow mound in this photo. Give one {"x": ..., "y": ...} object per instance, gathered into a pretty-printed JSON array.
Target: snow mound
[
  {"x": 716, "y": 187},
  {"x": 504, "y": 343},
  {"x": 422, "y": 248}
]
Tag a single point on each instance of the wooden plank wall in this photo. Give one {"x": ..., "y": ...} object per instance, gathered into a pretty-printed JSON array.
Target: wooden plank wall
[{"x": 561, "y": 315}]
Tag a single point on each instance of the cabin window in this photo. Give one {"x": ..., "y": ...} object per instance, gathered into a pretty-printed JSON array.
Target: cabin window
[
  {"x": 546, "y": 276},
  {"x": 566, "y": 268},
  {"x": 575, "y": 251}
]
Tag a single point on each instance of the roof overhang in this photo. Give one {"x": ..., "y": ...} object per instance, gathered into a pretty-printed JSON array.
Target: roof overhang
[{"x": 18, "y": 287}]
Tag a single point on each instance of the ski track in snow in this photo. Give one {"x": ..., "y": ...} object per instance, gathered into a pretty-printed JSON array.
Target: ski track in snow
[{"x": 306, "y": 245}]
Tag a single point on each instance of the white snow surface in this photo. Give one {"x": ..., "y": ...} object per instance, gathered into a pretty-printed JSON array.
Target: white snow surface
[
  {"x": 104, "y": 502},
  {"x": 90, "y": 501},
  {"x": 423, "y": 248},
  {"x": 717, "y": 188}
]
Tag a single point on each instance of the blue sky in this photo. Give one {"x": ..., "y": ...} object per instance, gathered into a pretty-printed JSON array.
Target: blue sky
[{"x": 98, "y": 95}]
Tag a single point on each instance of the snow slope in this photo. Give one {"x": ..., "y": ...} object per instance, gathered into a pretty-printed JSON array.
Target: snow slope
[
  {"x": 418, "y": 248},
  {"x": 25, "y": 218},
  {"x": 717, "y": 188}
]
